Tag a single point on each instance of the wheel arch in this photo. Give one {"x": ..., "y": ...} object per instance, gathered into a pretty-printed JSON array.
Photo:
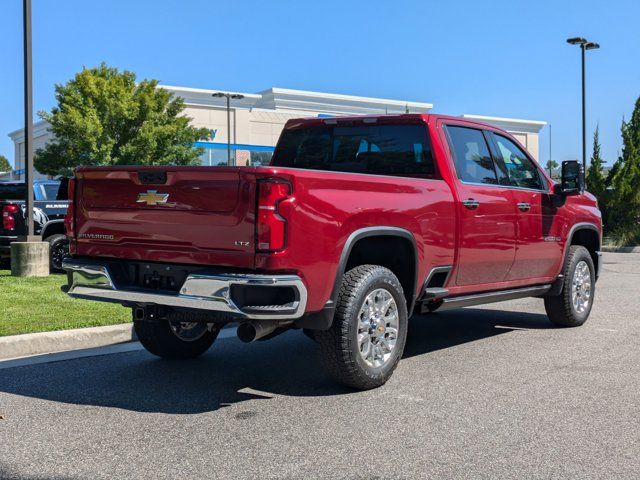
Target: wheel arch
[
  {"x": 588, "y": 236},
  {"x": 363, "y": 246},
  {"x": 584, "y": 234},
  {"x": 53, "y": 227}
]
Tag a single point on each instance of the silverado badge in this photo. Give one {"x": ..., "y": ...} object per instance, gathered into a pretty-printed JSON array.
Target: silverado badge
[{"x": 152, "y": 197}]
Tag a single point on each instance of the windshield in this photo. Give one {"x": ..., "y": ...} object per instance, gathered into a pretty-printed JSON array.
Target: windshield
[{"x": 401, "y": 150}]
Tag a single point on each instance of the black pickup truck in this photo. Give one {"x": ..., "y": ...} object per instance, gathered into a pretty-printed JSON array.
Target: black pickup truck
[{"x": 50, "y": 207}]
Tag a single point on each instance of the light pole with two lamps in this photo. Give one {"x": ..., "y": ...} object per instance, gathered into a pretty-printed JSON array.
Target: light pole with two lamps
[{"x": 584, "y": 46}]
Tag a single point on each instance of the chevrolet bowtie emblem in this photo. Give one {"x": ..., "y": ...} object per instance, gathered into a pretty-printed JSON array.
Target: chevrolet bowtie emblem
[{"x": 152, "y": 197}]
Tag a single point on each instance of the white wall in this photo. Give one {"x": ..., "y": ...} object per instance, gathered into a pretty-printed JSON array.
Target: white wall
[{"x": 41, "y": 136}]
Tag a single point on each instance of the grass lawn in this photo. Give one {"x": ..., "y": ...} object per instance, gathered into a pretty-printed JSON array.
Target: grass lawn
[{"x": 37, "y": 305}]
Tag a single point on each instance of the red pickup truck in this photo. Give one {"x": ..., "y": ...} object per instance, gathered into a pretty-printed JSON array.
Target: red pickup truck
[{"x": 357, "y": 224}]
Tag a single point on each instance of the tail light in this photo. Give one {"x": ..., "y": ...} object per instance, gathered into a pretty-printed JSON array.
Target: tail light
[
  {"x": 8, "y": 219},
  {"x": 69, "y": 219},
  {"x": 271, "y": 228}
]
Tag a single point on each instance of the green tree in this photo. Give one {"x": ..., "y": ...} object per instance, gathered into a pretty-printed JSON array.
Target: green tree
[
  {"x": 5, "y": 166},
  {"x": 624, "y": 206},
  {"x": 104, "y": 117},
  {"x": 551, "y": 166},
  {"x": 596, "y": 179}
]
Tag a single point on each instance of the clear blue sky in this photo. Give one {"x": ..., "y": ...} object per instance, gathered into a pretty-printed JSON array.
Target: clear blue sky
[{"x": 502, "y": 58}]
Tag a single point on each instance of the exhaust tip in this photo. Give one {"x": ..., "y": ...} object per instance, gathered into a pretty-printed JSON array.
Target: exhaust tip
[{"x": 246, "y": 332}]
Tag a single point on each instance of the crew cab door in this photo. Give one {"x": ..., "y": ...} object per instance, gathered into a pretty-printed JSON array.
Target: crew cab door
[
  {"x": 487, "y": 220},
  {"x": 539, "y": 226}
]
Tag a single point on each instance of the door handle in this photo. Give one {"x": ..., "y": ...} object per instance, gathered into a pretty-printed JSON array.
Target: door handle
[
  {"x": 524, "y": 206},
  {"x": 471, "y": 203}
]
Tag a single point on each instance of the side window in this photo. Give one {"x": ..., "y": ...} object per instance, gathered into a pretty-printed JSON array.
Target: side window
[
  {"x": 471, "y": 155},
  {"x": 515, "y": 167}
]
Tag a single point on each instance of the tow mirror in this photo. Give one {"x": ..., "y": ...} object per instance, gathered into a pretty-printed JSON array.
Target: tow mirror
[{"x": 572, "y": 180}]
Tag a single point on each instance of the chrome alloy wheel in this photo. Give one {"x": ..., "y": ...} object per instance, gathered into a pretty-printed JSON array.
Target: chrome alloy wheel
[
  {"x": 581, "y": 287},
  {"x": 189, "y": 331},
  {"x": 377, "y": 327}
]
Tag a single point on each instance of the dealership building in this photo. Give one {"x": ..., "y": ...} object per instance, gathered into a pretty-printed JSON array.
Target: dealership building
[{"x": 257, "y": 119}]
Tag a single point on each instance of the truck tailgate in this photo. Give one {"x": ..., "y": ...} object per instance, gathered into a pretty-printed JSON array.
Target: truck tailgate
[{"x": 197, "y": 215}]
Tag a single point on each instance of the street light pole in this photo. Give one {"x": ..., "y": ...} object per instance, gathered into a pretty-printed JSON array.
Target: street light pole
[
  {"x": 550, "y": 157},
  {"x": 584, "y": 114},
  {"x": 584, "y": 46},
  {"x": 28, "y": 119},
  {"x": 29, "y": 255},
  {"x": 228, "y": 96},
  {"x": 228, "y": 130}
]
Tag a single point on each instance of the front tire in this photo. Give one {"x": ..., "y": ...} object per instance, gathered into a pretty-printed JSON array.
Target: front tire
[
  {"x": 367, "y": 338},
  {"x": 175, "y": 339},
  {"x": 572, "y": 307}
]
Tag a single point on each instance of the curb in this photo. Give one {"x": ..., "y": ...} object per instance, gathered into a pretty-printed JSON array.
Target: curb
[
  {"x": 614, "y": 249},
  {"x": 27, "y": 344}
]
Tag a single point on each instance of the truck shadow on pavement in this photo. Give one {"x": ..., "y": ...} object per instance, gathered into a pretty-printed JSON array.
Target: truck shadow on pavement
[
  {"x": 428, "y": 333},
  {"x": 232, "y": 372}
]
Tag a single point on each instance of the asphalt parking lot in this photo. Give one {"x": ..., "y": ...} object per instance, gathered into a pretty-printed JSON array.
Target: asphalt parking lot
[{"x": 493, "y": 392}]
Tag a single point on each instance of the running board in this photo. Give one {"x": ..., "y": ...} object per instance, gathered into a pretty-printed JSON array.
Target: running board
[
  {"x": 491, "y": 297},
  {"x": 434, "y": 293}
]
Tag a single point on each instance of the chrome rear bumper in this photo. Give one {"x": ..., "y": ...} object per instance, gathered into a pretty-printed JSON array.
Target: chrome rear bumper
[{"x": 200, "y": 291}]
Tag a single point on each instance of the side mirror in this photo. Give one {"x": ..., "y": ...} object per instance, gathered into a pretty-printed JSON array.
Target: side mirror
[{"x": 572, "y": 180}]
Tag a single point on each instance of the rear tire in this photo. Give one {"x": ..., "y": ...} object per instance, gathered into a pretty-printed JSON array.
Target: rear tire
[
  {"x": 175, "y": 339},
  {"x": 58, "y": 250},
  {"x": 572, "y": 307},
  {"x": 367, "y": 338}
]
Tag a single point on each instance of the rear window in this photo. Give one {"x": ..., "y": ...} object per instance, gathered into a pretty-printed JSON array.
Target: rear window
[
  {"x": 50, "y": 191},
  {"x": 55, "y": 191},
  {"x": 12, "y": 192},
  {"x": 41, "y": 191},
  {"x": 401, "y": 150}
]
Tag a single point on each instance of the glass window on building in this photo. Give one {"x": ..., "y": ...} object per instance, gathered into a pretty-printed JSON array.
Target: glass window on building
[
  {"x": 214, "y": 157},
  {"x": 259, "y": 159}
]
